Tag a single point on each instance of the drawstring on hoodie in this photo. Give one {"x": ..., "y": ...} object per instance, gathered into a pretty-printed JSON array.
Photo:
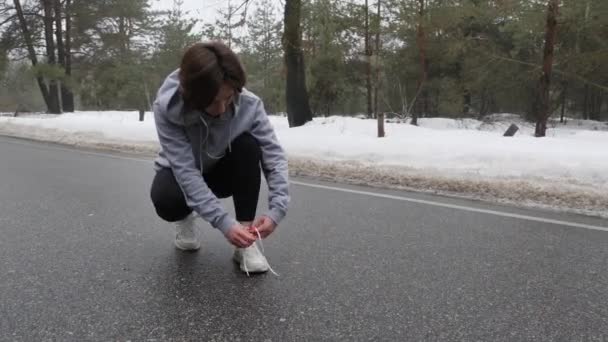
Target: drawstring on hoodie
[{"x": 205, "y": 142}]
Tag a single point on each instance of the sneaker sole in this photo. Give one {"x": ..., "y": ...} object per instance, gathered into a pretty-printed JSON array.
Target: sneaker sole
[
  {"x": 259, "y": 270},
  {"x": 255, "y": 271},
  {"x": 187, "y": 246}
]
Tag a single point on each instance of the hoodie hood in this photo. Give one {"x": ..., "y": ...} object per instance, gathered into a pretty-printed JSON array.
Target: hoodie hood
[{"x": 169, "y": 101}]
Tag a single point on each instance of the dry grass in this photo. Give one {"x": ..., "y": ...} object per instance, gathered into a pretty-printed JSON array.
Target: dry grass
[{"x": 557, "y": 196}]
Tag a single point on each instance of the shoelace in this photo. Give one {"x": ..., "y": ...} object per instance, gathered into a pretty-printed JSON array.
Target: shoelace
[{"x": 262, "y": 248}]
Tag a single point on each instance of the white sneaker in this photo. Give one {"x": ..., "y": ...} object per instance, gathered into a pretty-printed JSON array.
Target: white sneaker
[
  {"x": 185, "y": 235},
  {"x": 251, "y": 260}
]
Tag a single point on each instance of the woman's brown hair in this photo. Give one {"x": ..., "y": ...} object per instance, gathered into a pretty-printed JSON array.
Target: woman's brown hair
[{"x": 204, "y": 68}]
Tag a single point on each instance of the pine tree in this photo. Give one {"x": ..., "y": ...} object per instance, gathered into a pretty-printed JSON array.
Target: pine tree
[
  {"x": 263, "y": 55},
  {"x": 175, "y": 35}
]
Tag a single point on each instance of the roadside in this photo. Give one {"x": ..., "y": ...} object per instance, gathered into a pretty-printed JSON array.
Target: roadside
[{"x": 562, "y": 196}]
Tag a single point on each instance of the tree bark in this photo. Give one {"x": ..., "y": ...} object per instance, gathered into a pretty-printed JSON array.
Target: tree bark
[
  {"x": 27, "y": 36},
  {"x": 467, "y": 102},
  {"x": 380, "y": 117},
  {"x": 421, "y": 40},
  {"x": 600, "y": 104},
  {"x": 61, "y": 52},
  {"x": 60, "y": 47},
  {"x": 592, "y": 105},
  {"x": 298, "y": 107},
  {"x": 368, "y": 61},
  {"x": 564, "y": 96},
  {"x": 596, "y": 105},
  {"x": 229, "y": 25},
  {"x": 586, "y": 103},
  {"x": 483, "y": 108},
  {"x": 68, "y": 99},
  {"x": 545, "y": 80},
  {"x": 122, "y": 33},
  {"x": 54, "y": 106}
]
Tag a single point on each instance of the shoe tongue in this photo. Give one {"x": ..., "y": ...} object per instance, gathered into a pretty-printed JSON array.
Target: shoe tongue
[{"x": 251, "y": 249}]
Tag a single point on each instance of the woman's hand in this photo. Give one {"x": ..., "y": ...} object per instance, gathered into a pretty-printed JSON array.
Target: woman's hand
[
  {"x": 239, "y": 236},
  {"x": 265, "y": 226}
]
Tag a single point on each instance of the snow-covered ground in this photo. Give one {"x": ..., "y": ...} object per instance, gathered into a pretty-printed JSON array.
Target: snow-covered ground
[{"x": 465, "y": 157}]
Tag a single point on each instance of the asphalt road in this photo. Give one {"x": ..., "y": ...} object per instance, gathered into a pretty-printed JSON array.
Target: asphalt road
[{"x": 84, "y": 258}]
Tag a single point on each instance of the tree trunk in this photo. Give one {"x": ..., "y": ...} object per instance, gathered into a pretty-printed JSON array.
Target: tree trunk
[
  {"x": 229, "y": 25},
  {"x": 298, "y": 107},
  {"x": 379, "y": 116},
  {"x": 60, "y": 47},
  {"x": 368, "y": 61},
  {"x": 564, "y": 96},
  {"x": 68, "y": 95},
  {"x": 467, "y": 102},
  {"x": 545, "y": 80},
  {"x": 61, "y": 52},
  {"x": 31, "y": 51},
  {"x": 586, "y": 103},
  {"x": 483, "y": 108},
  {"x": 54, "y": 106},
  {"x": 596, "y": 105},
  {"x": 602, "y": 117},
  {"x": 427, "y": 104},
  {"x": 421, "y": 40},
  {"x": 592, "y": 104},
  {"x": 122, "y": 33},
  {"x": 600, "y": 103}
]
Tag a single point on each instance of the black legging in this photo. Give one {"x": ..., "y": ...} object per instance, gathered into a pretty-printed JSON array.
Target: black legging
[{"x": 237, "y": 174}]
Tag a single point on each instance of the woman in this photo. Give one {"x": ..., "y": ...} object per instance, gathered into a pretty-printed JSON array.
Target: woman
[{"x": 216, "y": 140}]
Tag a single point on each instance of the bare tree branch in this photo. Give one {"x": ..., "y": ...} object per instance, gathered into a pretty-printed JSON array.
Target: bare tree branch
[
  {"x": 557, "y": 71},
  {"x": 9, "y": 19},
  {"x": 244, "y": 3}
]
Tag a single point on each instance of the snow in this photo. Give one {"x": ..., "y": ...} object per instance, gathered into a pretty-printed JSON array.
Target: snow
[
  {"x": 441, "y": 145},
  {"x": 112, "y": 125},
  {"x": 571, "y": 154}
]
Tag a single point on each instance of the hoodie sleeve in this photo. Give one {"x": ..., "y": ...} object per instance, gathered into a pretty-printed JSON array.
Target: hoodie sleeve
[
  {"x": 274, "y": 165},
  {"x": 178, "y": 152}
]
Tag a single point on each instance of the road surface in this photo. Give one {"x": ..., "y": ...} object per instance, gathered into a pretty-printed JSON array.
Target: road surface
[{"x": 84, "y": 258}]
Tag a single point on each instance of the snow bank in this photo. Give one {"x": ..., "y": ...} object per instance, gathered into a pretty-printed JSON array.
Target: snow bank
[{"x": 567, "y": 170}]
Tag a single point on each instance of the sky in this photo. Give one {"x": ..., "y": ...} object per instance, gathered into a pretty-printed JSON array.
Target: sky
[{"x": 206, "y": 10}]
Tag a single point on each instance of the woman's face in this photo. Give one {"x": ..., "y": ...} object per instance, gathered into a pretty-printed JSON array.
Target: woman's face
[{"x": 221, "y": 102}]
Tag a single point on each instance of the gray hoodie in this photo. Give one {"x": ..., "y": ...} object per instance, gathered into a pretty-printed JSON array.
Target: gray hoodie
[{"x": 187, "y": 138}]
